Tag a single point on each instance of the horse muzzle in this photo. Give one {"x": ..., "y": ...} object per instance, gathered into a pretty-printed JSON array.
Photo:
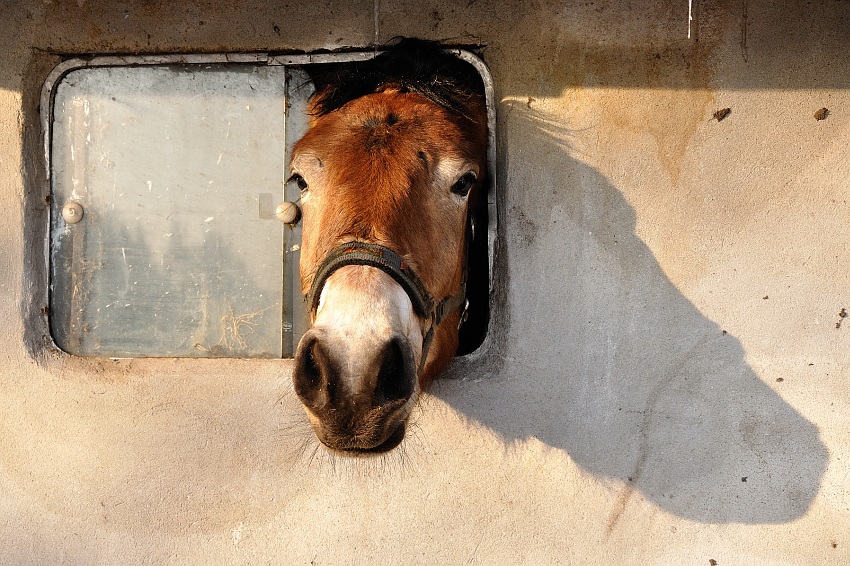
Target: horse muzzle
[
  {"x": 355, "y": 370},
  {"x": 356, "y": 401}
]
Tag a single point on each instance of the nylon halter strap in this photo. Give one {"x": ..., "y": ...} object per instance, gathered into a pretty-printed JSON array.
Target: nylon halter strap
[{"x": 388, "y": 261}]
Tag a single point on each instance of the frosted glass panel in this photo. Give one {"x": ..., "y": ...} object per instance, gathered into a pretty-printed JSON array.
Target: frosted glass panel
[{"x": 178, "y": 170}]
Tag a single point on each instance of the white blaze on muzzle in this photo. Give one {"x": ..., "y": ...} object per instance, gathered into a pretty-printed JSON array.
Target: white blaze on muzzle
[{"x": 360, "y": 309}]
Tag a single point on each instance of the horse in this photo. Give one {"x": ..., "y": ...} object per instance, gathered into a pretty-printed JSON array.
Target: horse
[{"x": 389, "y": 170}]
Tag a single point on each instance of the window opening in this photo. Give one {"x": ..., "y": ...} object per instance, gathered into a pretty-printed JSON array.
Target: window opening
[{"x": 166, "y": 175}]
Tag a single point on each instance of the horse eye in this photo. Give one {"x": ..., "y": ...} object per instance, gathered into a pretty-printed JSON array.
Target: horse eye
[
  {"x": 464, "y": 184},
  {"x": 299, "y": 180}
]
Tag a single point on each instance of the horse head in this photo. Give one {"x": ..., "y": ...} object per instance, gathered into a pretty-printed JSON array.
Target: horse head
[{"x": 389, "y": 168}]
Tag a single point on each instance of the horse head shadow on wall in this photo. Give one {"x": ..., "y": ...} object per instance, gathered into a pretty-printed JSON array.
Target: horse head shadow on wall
[{"x": 594, "y": 351}]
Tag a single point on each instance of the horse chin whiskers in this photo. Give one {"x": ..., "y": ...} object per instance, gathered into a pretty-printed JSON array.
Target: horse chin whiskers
[
  {"x": 345, "y": 466},
  {"x": 400, "y": 461}
]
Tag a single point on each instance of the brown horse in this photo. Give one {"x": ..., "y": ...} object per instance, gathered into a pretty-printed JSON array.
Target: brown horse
[{"x": 389, "y": 170}]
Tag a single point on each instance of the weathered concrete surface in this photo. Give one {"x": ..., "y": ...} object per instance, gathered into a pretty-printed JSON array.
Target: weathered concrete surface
[{"x": 665, "y": 385}]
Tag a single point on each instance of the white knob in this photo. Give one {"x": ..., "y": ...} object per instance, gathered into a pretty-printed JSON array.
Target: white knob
[
  {"x": 288, "y": 213},
  {"x": 72, "y": 212}
]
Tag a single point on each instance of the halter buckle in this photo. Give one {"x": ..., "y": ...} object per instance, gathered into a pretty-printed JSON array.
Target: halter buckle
[{"x": 464, "y": 314}]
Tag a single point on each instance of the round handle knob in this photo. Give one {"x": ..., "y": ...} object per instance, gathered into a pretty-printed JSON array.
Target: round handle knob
[
  {"x": 288, "y": 213},
  {"x": 72, "y": 212}
]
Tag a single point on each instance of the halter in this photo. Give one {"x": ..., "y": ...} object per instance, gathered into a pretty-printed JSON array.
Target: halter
[{"x": 388, "y": 261}]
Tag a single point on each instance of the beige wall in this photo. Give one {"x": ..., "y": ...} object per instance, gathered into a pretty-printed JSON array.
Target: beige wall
[{"x": 667, "y": 299}]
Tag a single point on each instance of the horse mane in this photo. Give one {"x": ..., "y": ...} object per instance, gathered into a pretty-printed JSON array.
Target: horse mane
[{"x": 414, "y": 65}]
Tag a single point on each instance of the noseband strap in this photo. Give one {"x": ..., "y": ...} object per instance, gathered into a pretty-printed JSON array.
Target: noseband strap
[
  {"x": 373, "y": 255},
  {"x": 388, "y": 261}
]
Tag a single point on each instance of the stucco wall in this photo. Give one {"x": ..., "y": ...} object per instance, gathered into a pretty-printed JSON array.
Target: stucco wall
[{"x": 665, "y": 384}]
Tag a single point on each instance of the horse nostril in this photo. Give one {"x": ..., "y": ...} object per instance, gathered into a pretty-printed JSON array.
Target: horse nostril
[
  {"x": 312, "y": 371},
  {"x": 396, "y": 376}
]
